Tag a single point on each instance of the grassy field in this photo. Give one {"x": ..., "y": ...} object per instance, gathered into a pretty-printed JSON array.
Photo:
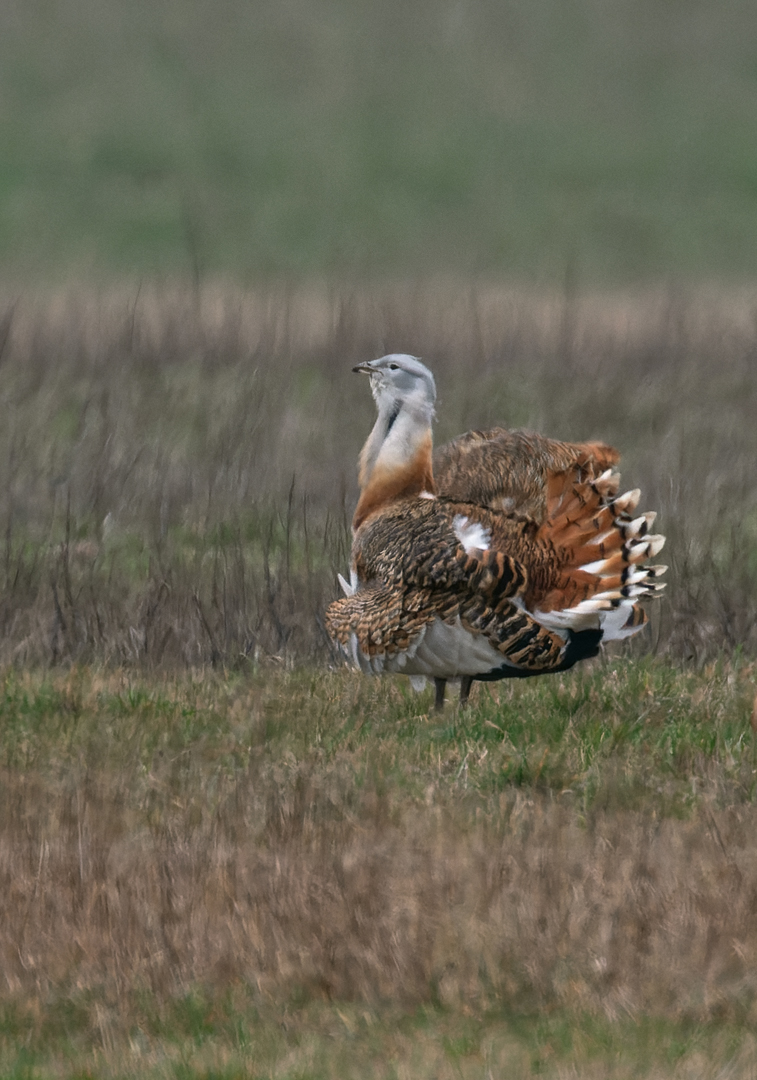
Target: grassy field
[
  {"x": 222, "y": 856},
  {"x": 308, "y": 875},
  {"x": 527, "y": 140}
]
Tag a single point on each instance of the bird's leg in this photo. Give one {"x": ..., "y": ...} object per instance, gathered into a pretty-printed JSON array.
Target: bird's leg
[
  {"x": 440, "y": 686},
  {"x": 466, "y": 681}
]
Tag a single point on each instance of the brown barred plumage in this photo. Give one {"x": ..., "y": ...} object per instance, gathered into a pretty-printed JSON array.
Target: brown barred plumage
[{"x": 519, "y": 565}]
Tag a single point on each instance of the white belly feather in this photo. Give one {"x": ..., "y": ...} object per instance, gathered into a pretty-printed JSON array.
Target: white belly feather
[{"x": 444, "y": 650}]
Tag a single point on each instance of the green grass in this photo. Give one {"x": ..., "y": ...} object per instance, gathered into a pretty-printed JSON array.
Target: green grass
[
  {"x": 533, "y": 140},
  {"x": 202, "y": 1037},
  {"x": 627, "y": 735}
]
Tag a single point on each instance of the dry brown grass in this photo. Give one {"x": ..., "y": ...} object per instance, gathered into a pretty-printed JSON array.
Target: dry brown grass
[
  {"x": 177, "y": 466},
  {"x": 316, "y": 837},
  {"x": 534, "y": 906}
]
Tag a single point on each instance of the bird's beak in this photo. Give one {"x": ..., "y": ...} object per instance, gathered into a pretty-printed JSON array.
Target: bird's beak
[{"x": 366, "y": 368}]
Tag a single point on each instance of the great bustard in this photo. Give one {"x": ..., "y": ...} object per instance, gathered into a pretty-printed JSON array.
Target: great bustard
[{"x": 517, "y": 558}]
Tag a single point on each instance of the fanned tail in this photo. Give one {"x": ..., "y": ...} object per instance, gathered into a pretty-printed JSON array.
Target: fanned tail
[{"x": 602, "y": 549}]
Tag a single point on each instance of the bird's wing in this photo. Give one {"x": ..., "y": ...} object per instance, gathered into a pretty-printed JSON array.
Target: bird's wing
[{"x": 419, "y": 561}]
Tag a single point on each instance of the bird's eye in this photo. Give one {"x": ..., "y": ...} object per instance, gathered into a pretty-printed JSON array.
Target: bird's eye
[{"x": 394, "y": 367}]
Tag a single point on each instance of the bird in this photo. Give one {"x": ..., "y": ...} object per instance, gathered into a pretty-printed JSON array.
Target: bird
[{"x": 505, "y": 555}]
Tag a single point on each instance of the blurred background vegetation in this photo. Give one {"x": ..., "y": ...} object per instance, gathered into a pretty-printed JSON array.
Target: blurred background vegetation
[
  {"x": 532, "y": 140},
  {"x": 177, "y": 466},
  {"x": 235, "y": 197}
]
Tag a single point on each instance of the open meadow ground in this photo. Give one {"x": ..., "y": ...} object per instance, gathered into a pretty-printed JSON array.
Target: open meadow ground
[
  {"x": 223, "y": 856},
  {"x": 307, "y": 875}
]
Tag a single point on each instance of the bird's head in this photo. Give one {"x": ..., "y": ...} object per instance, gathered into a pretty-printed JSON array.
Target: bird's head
[
  {"x": 400, "y": 380},
  {"x": 396, "y": 459}
]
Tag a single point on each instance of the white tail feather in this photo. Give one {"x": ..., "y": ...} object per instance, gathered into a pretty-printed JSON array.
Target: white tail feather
[
  {"x": 628, "y": 502},
  {"x": 655, "y": 544}
]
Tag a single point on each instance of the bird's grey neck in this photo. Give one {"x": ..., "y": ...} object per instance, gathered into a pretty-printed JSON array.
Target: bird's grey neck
[{"x": 400, "y": 426}]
